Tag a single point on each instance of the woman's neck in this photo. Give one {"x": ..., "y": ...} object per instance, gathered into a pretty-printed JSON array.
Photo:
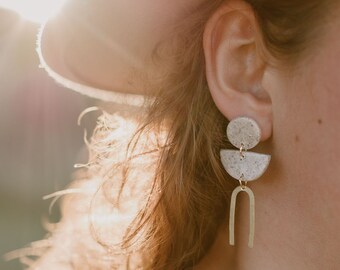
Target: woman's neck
[{"x": 294, "y": 225}]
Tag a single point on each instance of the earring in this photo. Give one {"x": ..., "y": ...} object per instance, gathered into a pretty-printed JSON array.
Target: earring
[{"x": 243, "y": 133}]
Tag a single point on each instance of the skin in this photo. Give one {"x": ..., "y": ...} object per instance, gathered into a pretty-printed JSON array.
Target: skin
[{"x": 297, "y": 200}]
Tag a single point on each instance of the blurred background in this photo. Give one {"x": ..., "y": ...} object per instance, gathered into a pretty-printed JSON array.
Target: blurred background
[{"x": 39, "y": 137}]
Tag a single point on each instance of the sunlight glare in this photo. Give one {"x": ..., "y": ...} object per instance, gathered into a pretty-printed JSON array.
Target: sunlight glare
[{"x": 34, "y": 10}]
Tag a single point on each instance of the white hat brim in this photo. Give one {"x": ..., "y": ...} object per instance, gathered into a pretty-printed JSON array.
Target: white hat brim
[{"x": 50, "y": 48}]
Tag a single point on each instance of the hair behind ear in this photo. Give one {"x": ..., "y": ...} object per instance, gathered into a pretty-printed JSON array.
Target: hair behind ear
[{"x": 193, "y": 202}]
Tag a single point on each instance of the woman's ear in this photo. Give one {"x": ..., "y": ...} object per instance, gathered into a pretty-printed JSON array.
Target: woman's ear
[{"x": 235, "y": 66}]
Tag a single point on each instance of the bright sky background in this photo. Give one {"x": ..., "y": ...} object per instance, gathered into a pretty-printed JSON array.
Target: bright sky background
[{"x": 34, "y": 10}]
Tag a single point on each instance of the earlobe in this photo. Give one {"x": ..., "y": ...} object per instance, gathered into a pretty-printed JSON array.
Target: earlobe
[{"x": 234, "y": 65}]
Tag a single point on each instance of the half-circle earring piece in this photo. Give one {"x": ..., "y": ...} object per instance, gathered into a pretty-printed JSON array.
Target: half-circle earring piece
[{"x": 243, "y": 133}]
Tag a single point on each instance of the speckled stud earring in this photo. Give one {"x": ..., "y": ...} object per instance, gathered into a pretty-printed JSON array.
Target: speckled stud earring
[{"x": 243, "y": 133}]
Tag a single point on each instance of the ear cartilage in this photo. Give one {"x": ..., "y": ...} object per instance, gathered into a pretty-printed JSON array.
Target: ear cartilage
[{"x": 243, "y": 133}]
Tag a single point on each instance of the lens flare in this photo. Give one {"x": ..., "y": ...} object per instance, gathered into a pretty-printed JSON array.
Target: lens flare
[{"x": 34, "y": 10}]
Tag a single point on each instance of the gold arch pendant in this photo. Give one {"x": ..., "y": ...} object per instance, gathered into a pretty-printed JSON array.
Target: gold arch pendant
[{"x": 251, "y": 211}]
